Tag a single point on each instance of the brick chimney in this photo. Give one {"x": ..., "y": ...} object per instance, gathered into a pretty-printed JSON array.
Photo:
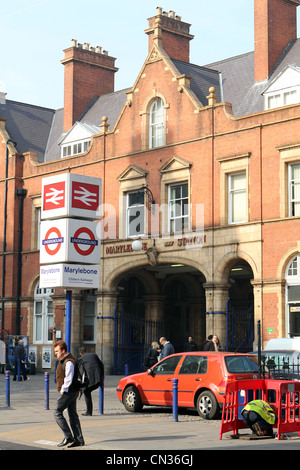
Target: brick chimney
[
  {"x": 275, "y": 25},
  {"x": 172, "y": 33},
  {"x": 89, "y": 72}
]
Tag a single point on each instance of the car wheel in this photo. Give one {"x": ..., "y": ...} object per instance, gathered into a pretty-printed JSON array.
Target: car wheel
[
  {"x": 207, "y": 405},
  {"x": 132, "y": 400}
]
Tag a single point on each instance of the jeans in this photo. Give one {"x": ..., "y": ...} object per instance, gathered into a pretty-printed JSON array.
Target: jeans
[{"x": 68, "y": 401}]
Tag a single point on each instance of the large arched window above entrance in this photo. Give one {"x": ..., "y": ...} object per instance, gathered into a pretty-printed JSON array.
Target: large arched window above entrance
[
  {"x": 156, "y": 123},
  {"x": 43, "y": 316},
  {"x": 292, "y": 277}
]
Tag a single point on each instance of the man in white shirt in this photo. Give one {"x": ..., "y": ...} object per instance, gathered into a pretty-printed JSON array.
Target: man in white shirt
[{"x": 68, "y": 396}]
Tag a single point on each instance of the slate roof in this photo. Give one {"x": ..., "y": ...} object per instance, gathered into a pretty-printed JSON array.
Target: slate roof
[
  {"x": 202, "y": 79},
  {"x": 28, "y": 126},
  {"x": 40, "y": 129}
]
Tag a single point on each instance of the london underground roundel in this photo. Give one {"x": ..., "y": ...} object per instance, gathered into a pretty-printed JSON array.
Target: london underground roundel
[
  {"x": 53, "y": 243},
  {"x": 88, "y": 241}
]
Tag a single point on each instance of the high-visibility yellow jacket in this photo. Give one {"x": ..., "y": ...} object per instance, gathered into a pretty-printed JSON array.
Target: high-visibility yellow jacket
[{"x": 263, "y": 409}]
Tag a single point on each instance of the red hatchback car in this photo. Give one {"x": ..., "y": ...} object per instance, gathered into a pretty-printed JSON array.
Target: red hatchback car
[{"x": 202, "y": 378}]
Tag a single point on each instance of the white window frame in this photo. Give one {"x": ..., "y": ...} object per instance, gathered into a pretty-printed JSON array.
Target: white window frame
[
  {"x": 280, "y": 98},
  {"x": 178, "y": 204},
  {"x": 75, "y": 148},
  {"x": 45, "y": 316},
  {"x": 231, "y": 197},
  {"x": 141, "y": 218},
  {"x": 156, "y": 123},
  {"x": 292, "y": 200}
]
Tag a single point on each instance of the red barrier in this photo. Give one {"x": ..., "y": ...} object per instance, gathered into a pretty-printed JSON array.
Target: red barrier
[{"x": 284, "y": 395}]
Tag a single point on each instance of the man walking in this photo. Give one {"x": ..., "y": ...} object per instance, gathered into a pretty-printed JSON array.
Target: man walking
[
  {"x": 65, "y": 373},
  {"x": 95, "y": 371}
]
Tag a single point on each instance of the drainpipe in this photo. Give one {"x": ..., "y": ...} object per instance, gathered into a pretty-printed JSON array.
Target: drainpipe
[
  {"x": 4, "y": 231},
  {"x": 21, "y": 193}
]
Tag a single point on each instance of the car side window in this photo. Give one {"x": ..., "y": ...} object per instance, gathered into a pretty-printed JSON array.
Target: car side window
[
  {"x": 194, "y": 365},
  {"x": 167, "y": 366}
]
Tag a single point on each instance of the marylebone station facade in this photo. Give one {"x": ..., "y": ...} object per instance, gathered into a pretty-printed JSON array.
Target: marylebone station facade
[{"x": 200, "y": 200}]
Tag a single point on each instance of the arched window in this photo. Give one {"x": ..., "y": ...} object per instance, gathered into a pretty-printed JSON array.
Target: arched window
[
  {"x": 156, "y": 123},
  {"x": 292, "y": 277},
  {"x": 43, "y": 316}
]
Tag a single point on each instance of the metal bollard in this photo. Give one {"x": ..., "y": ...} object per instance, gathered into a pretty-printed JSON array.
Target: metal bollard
[
  {"x": 101, "y": 399},
  {"x": 7, "y": 382},
  {"x": 175, "y": 399},
  {"x": 46, "y": 407},
  {"x": 126, "y": 370}
]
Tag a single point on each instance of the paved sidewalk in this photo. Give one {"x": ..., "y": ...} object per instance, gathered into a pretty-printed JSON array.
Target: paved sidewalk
[{"x": 27, "y": 422}]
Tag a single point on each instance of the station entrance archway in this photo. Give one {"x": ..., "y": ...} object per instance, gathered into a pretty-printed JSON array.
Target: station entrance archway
[
  {"x": 167, "y": 299},
  {"x": 240, "y": 308}
]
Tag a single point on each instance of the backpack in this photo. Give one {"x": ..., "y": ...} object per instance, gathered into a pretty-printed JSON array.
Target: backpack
[{"x": 81, "y": 379}]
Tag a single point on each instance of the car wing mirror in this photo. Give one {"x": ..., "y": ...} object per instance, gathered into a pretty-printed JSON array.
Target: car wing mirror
[{"x": 150, "y": 372}]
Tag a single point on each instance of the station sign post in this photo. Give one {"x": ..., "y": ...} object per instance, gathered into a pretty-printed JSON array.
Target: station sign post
[{"x": 69, "y": 242}]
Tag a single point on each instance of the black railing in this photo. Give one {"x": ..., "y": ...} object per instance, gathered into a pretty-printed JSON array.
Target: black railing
[{"x": 280, "y": 367}]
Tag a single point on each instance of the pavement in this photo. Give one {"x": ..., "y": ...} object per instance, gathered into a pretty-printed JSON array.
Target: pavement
[{"x": 26, "y": 424}]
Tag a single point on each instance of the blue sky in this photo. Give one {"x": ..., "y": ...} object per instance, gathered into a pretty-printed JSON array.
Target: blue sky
[{"x": 34, "y": 33}]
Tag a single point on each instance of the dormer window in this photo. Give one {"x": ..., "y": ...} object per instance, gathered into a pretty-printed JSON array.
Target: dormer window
[
  {"x": 78, "y": 139},
  {"x": 282, "y": 99},
  {"x": 284, "y": 89},
  {"x": 75, "y": 148}
]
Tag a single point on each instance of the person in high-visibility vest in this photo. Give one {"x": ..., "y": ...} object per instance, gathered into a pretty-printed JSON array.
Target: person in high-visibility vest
[{"x": 259, "y": 417}]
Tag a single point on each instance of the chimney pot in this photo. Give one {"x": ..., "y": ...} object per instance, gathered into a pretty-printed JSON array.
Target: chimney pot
[{"x": 87, "y": 75}]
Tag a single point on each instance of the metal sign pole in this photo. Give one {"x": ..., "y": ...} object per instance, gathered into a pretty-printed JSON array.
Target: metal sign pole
[{"x": 68, "y": 319}]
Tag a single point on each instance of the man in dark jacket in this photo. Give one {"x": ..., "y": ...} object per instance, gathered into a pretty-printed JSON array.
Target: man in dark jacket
[
  {"x": 95, "y": 371},
  {"x": 19, "y": 354},
  {"x": 190, "y": 345}
]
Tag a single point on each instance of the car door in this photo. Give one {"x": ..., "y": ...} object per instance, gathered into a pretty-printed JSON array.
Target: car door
[
  {"x": 192, "y": 373},
  {"x": 157, "y": 386}
]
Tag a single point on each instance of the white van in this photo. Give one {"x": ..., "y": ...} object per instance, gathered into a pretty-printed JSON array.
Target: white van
[{"x": 286, "y": 344}]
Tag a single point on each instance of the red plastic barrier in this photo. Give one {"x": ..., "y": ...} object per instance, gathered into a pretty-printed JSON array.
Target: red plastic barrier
[{"x": 284, "y": 395}]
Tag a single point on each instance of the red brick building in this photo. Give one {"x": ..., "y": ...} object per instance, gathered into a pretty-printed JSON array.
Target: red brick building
[{"x": 201, "y": 163}]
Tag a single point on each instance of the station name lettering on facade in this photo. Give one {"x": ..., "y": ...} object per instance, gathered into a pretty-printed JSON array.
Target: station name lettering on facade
[{"x": 180, "y": 242}]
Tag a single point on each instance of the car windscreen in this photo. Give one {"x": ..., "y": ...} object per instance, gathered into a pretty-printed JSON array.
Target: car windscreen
[
  {"x": 167, "y": 366},
  {"x": 241, "y": 364}
]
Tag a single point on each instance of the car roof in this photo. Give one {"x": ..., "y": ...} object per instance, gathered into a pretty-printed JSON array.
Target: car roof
[{"x": 214, "y": 353}]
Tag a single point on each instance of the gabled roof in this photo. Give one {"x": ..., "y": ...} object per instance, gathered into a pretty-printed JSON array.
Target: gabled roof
[
  {"x": 40, "y": 129},
  {"x": 80, "y": 131}
]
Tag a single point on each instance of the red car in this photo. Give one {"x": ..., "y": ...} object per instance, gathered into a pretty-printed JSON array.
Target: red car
[{"x": 202, "y": 378}]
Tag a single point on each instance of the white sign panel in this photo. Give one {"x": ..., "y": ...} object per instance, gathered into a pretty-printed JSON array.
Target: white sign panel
[
  {"x": 69, "y": 241},
  {"x": 70, "y": 195},
  {"x": 70, "y": 275}
]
